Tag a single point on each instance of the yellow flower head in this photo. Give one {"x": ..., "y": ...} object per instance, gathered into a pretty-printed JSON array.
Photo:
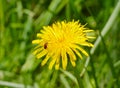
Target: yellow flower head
[{"x": 61, "y": 42}]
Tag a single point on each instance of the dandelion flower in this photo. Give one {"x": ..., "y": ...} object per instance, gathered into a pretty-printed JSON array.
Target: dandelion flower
[{"x": 61, "y": 43}]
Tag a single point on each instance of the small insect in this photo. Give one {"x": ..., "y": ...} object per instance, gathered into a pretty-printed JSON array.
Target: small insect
[{"x": 45, "y": 45}]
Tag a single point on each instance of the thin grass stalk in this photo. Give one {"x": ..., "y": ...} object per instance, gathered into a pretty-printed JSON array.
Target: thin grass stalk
[
  {"x": 14, "y": 85},
  {"x": 104, "y": 31},
  {"x": 109, "y": 61},
  {"x": 1, "y": 19},
  {"x": 93, "y": 73}
]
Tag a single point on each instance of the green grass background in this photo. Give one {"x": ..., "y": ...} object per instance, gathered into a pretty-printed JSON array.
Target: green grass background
[{"x": 20, "y": 20}]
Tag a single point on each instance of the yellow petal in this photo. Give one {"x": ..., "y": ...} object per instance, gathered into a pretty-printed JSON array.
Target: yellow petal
[
  {"x": 52, "y": 63},
  {"x": 45, "y": 60},
  {"x": 78, "y": 53},
  {"x": 39, "y": 35},
  {"x": 37, "y": 50},
  {"x": 57, "y": 66},
  {"x": 37, "y": 47},
  {"x": 58, "y": 60},
  {"x": 36, "y": 41},
  {"x": 41, "y": 54},
  {"x": 79, "y": 48},
  {"x": 86, "y": 44},
  {"x": 72, "y": 62},
  {"x": 54, "y": 58},
  {"x": 91, "y": 37},
  {"x": 71, "y": 53},
  {"x": 64, "y": 59},
  {"x": 88, "y": 30}
]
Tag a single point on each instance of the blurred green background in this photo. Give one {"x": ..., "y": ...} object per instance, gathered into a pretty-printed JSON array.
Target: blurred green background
[{"x": 20, "y": 20}]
